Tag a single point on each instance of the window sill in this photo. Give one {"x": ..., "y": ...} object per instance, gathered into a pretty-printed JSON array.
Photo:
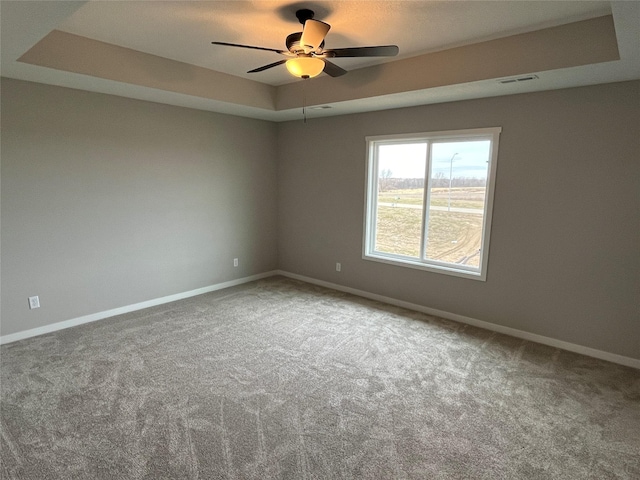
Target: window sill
[{"x": 416, "y": 264}]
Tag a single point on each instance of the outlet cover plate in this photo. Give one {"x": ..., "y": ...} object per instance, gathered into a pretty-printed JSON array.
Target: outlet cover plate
[{"x": 34, "y": 302}]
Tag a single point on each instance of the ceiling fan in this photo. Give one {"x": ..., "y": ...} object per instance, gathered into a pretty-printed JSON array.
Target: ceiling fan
[{"x": 306, "y": 55}]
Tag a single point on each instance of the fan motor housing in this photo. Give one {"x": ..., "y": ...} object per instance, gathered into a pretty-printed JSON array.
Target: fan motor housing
[{"x": 293, "y": 43}]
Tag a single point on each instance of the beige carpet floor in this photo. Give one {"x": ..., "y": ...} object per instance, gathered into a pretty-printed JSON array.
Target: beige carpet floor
[{"x": 279, "y": 379}]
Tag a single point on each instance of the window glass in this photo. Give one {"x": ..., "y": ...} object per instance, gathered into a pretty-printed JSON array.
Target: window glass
[
  {"x": 429, "y": 199},
  {"x": 401, "y": 169},
  {"x": 457, "y": 195}
]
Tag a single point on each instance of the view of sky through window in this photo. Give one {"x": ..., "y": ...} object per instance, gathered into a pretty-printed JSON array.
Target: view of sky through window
[{"x": 408, "y": 160}]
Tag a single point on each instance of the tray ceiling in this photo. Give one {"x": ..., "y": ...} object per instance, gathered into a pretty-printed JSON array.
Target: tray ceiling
[{"x": 161, "y": 51}]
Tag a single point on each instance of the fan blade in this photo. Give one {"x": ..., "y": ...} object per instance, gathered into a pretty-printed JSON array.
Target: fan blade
[
  {"x": 332, "y": 69},
  {"x": 380, "y": 51},
  {"x": 265, "y": 67},
  {"x": 313, "y": 33},
  {"x": 248, "y": 46}
]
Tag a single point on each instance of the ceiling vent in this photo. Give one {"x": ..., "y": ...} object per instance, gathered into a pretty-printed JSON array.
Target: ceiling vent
[{"x": 518, "y": 79}]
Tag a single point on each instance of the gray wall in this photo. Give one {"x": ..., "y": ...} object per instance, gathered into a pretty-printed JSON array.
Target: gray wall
[
  {"x": 564, "y": 259},
  {"x": 108, "y": 201}
]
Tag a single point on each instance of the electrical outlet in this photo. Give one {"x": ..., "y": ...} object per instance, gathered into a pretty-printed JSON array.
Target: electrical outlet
[
  {"x": 34, "y": 302},
  {"x": 338, "y": 267},
  {"x": 235, "y": 262}
]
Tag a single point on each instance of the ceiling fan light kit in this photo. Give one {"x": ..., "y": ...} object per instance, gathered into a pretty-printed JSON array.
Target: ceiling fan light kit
[
  {"x": 306, "y": 53},
  {"x": 305, "y": 67}
]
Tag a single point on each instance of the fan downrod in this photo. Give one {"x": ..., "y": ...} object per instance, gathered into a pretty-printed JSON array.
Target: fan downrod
[{"x": 304, "y": 14}]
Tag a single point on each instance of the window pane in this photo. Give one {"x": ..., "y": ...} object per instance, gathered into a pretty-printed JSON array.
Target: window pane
[
  {"x": 401, "y": 171},
  {"x": 458, "y": 173}
]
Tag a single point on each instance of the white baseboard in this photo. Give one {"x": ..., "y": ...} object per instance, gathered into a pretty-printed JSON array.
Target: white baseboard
[
  {"x": 513, "y": 332},
  {"x": 14, "y": 337},
  {"x": 552, "y": 342}
]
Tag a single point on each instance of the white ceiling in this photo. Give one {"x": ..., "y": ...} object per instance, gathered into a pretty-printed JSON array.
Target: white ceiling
[{"x": 183, "y": 30}]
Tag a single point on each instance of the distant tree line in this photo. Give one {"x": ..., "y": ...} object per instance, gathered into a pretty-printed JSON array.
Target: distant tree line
[{"x": 440, "y": 180}]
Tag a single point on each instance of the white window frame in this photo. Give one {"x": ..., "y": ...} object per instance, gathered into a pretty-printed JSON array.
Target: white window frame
[{"x": 371, "y": 195}]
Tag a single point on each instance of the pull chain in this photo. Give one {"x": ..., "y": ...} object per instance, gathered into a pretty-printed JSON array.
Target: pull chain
[{"x": 304, "y": 98}]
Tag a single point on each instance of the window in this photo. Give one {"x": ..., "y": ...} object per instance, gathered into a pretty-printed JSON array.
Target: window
[{"x": 429, "y": 200}]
